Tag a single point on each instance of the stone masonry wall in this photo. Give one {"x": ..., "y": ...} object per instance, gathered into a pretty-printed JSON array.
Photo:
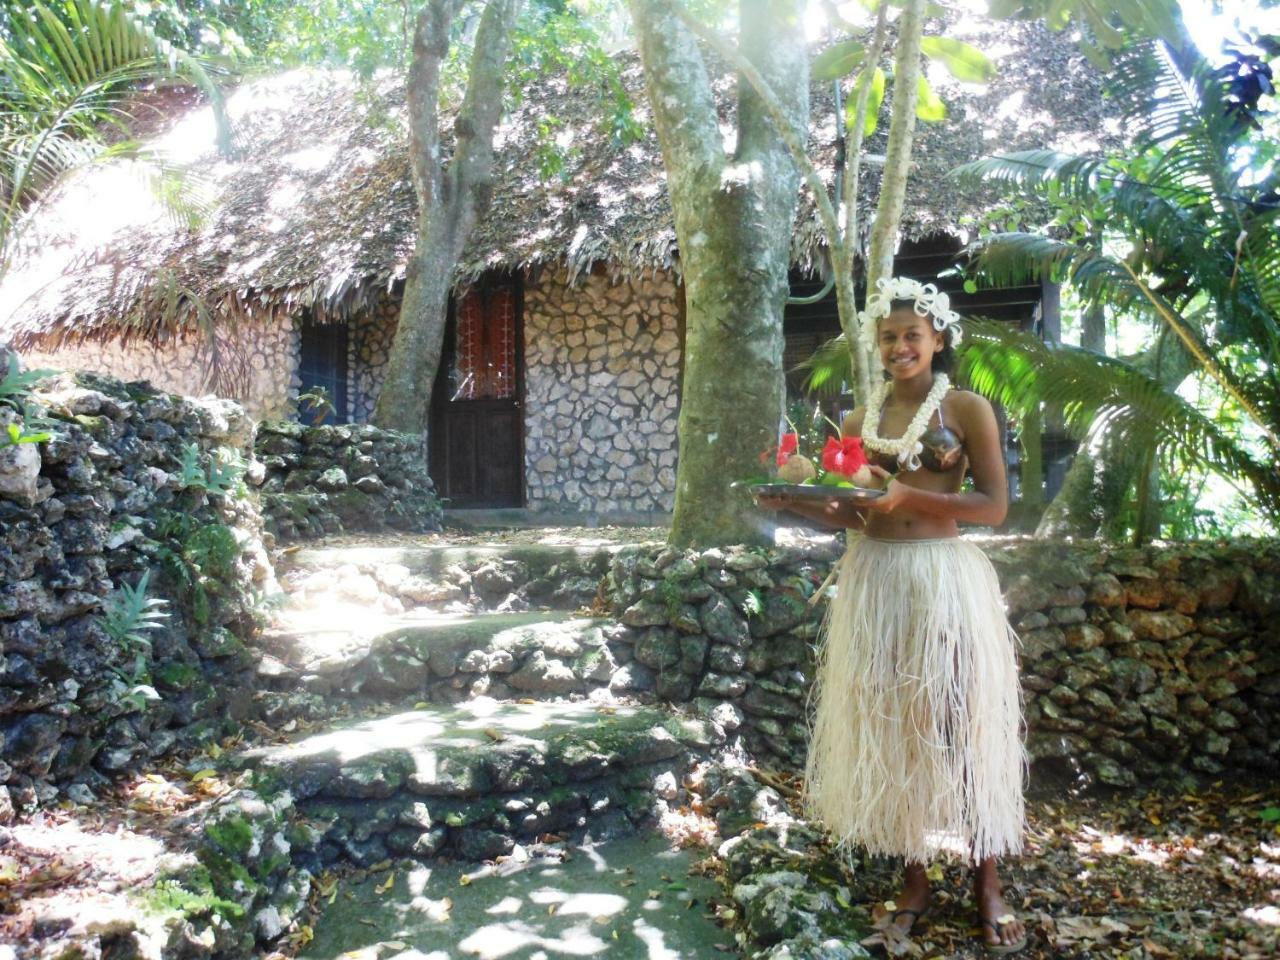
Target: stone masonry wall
[
  {"x": 257, "y": 365},
  {"x": 368, "y": 350},
  {"x": 127, "y": 485},
  {"x": 343, "y": 478},
  {"x": 1137, "y": 664},
  {"x": 602, "y": 363},
  {"x": 601, "y": 394}
]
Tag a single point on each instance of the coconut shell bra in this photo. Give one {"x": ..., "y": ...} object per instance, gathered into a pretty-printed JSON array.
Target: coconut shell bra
[{"x": 941, "y": 449}]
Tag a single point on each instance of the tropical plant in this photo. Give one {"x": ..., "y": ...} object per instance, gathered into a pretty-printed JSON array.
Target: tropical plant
[
  {"x": 1140, "y": 417},
  {"x": 1191, "y": 242},
  {"x": 15, "y": 387},
  {"x": 224, "y": 474},
  {"x": 128, "y": 615},
  {"x": 67, "y": 69}
]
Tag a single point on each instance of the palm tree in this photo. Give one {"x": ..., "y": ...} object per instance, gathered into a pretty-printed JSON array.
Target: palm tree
[
  {"x": 1198, "y": 214},
  {"x": 67, "y": 70}
]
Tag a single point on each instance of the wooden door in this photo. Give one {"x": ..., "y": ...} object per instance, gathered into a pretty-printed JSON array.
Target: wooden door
[{"x": 477, "y": 427}]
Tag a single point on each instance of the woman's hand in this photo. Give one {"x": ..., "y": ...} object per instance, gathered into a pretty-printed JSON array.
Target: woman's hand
[{"x": 895, "y": 492}]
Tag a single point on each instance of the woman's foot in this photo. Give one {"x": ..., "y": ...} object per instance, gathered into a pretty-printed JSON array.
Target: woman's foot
[
  {"x": 1002, "y": 932},
  {"x": 913, "y": 902}
]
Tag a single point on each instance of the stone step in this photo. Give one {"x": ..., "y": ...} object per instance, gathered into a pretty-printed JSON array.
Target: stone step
[
  {"x": 476, "y": 778},
  {"x": 445, "y": 658},
  {"x": 433, "y": 558},
  {"x": 345, "y": 578}
]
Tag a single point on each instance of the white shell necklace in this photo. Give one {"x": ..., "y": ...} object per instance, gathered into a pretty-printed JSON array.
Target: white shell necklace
[{"x": 907, "y": 448}]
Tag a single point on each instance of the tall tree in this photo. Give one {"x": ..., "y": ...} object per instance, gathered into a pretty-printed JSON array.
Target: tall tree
[
  {"x": 452, "y": 194},
  {"x": 734, "y": 208}
]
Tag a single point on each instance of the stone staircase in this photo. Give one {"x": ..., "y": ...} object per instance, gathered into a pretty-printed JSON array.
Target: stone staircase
[
  {"x": 484, "y": 723},
  {"x": 475, "y": 779}
]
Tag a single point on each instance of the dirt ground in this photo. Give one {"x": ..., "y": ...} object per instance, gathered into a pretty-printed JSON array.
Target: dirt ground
[{"x": 1133, "y": 876}]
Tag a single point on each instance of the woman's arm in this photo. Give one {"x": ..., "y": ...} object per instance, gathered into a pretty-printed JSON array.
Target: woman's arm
[{"x": 988, "y": 504}]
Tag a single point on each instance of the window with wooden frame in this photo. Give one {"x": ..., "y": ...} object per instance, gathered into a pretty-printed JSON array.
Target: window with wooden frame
[{"x": 485, "y": 348}]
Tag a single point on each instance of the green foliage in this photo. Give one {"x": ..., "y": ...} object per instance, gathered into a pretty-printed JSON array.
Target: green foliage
[
  {"x": 172, "y": 896},
  {"x": 552, "y": 39},
  {"x": 1105, "y": 27},
  {"x": 198, "y": 557},
  {"x": 66, "y": 69},
  {"x": 223, "y": 476},
  {"x": 1142, "y": 417},
  {"x": 1182, "y": 230},
  {"x": 317, "y": 403},
  {"x": 929, "y": 106},
  {"x": 128, "y": 614},
  {"x": 838, "y": 60},
  {"x": 15, "y": 387},
  {"x": 16, "y": 384},
  {"x": 962, "y": 60}
]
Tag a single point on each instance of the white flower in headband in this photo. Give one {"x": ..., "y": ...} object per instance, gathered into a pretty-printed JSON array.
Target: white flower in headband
[{"x": 929, "y": 302}]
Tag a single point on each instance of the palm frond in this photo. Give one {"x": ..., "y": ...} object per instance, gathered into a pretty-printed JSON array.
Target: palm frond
[
  {"x": 1012, "y": 259},
  {"x": 64, "y": 72},
  {"x": 1141, "y": 416},
  {"x": 829, "y": 369}
]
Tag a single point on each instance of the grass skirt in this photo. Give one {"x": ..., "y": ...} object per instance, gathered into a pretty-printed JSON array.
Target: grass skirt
[{"x": 916, "y": 743}]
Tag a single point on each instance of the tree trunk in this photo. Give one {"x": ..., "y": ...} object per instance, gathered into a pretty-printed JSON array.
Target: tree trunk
[
  {"x": 897, "y": 163},
  {"x": 450, "y": 198},
  {"x": 733, "y": 216},
  {"x": 844, "y": 248},
  {"x": 1093, "y": 329}
]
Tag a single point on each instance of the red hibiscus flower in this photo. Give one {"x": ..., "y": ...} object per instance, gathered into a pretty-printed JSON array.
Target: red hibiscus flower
[
  {"x": 788, "y": 446},
  {"x": 843, "y": 455}
]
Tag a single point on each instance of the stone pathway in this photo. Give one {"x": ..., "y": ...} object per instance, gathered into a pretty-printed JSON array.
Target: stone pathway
[{"x": 627, "y": 898}]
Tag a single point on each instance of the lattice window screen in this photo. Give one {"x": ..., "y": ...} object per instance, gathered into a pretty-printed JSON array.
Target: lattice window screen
[{"x": 486, "y": 345}]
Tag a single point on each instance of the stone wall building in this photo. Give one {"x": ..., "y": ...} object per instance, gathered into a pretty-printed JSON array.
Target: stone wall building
[{"x": 560, "y": 385}]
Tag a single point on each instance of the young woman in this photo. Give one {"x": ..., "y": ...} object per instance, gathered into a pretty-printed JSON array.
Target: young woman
[{"x": 917, "y": 737}]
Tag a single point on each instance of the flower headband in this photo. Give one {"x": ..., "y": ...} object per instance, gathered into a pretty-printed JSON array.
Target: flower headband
[{"x": 929, "y": 302}]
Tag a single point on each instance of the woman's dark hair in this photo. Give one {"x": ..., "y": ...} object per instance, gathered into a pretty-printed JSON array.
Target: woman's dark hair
[{"x": 944, "y": 360}]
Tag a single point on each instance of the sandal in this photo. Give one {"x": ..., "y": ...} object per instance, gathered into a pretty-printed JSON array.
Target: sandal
[
  {"x": 1000, "y": 949},
  {"x": 888, "y": 936},
  {"x": 916, "y": 917}
]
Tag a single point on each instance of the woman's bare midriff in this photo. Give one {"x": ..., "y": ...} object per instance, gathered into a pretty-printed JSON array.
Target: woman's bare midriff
[{"x": 905, "y": 525}]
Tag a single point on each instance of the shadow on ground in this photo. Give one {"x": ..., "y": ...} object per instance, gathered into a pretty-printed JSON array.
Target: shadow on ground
[{"x": 630, "y": 897}]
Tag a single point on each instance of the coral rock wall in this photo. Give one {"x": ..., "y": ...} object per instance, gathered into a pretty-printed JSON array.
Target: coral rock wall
[
  {"x": 111, "y": 496},
  {"x": 368, "y": 350},
  {"x": 344, "y": 477},
  {"x": 1137, "y": 664}
]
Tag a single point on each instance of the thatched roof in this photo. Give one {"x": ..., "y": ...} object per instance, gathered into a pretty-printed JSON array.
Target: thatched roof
[{"x": 317, "y": 208}]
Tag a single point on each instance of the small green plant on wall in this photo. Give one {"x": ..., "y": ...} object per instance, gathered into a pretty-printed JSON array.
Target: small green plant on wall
[
  {"x": 223, "y": 477},
  {"x": 128, "y": 614},
  {"x": 15, "y": 387},
  {"x": 197, "y": 557},
  {"x": 315, "y": 404}
]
